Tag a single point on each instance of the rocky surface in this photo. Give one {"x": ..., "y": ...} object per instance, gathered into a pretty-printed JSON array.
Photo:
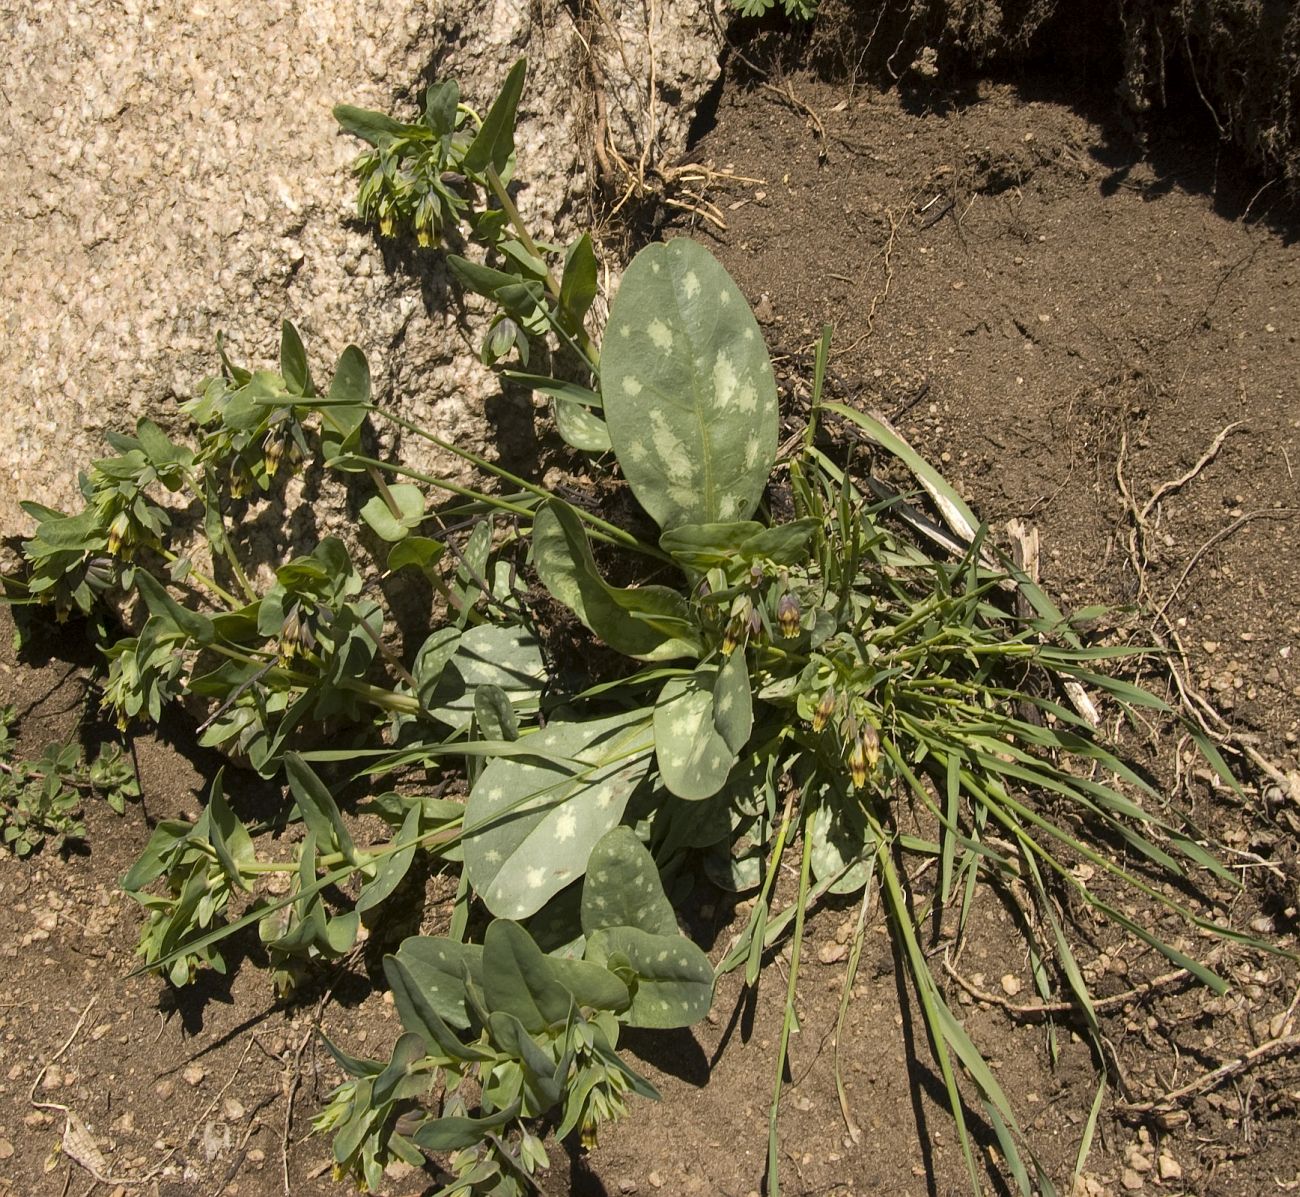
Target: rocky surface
[{"x": 172, "y": 170}]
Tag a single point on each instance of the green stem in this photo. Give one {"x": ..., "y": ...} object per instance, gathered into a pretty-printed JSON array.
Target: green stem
[
  {"x": 611, "y": 532},
  {"x": 207, "y": 583},
  {"x": 584, "y": 344},
  {"x": 819, "y": 378},
  {"x": 521, "y": 229},
  {"x": 773, "y": 1161},
  {"x": 923, "y": 983},
  {"x": 388, "y": 700}
]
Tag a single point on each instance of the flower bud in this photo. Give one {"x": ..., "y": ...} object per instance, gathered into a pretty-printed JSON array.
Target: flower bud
[
  {"x": 289, "y": 635},
  {"x": 272, "y": 452},
  {"x": 756, "y": 575},
  {"x": 119, "y": 533},
  {"x": 731, "y": 637},
  {"x": 239, "y": 479},
  {"x": 788, "y": 613},
  {"x": 870, "y": 740},
  {"x": 825, "y": 709}
]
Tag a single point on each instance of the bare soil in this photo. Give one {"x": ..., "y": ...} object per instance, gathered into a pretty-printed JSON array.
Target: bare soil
[{"x": 1066, "y": 326}]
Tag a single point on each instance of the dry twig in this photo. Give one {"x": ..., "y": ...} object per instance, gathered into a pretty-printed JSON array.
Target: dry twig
[
  {"x": 1038, "y": 1011},
  {"x": 1208, "y": 1081}
]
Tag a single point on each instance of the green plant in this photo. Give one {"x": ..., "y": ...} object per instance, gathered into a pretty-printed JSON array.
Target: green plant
[
  {"x": 524, "y": 1038},
  {"x": 853, "y": 681},
  {"x": 803, "y": 10},
  {"x": 41, "y": 800}
]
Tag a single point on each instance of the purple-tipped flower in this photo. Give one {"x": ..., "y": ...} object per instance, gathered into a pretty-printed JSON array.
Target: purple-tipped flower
[
  {"x": 741, "y": 624},
  {"x": 825, "y": 709},
  {"x": 273, "y": 452},
  {"x": 788, "y": 613},
  {"x": 870, "y": 739},
  {"x": 756, "y": 575},
  {"x": 864, "y": 750},
  {"x": 857, "y": 756}
]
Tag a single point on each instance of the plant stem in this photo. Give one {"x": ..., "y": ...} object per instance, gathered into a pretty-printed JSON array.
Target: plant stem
[
  {"x": 585, "y": 346},
  {"x": 773, "y": 1161},
  {"x": 819, "y": 378},
  {"x": 207, "y": 583},
  {"x": 612, "y": 532},
  {"x": 521, "y": 229}
]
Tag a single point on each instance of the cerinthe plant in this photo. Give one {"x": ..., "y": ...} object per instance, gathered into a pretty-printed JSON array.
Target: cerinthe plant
[{"x": 854, "y": 684}]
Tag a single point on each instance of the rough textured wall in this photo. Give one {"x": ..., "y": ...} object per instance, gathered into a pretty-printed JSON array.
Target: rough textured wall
[{"x": 172, "y": 169}]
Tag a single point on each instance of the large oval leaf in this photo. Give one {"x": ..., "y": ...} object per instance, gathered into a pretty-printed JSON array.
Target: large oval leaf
[
  {"x": 531, "y": 821},
  {"x": 689, "y": 396},
  {"x": 701, "y": 723}
]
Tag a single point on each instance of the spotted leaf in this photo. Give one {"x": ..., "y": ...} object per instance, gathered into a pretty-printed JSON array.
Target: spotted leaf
[
  {"x": 531, "y": 821},
  {"x": 687, "y": 386},
  {"x": 623, "y": 889},
  {"x": 671, "y": 979},
  {"x": 701, "y": 722}
]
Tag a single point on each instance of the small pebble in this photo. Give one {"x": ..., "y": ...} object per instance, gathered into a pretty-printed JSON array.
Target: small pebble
[
  {"x": 193, "y": 1075},
  {"x": 1131, "y": 1180},
  {"x": 1011, "y": 985},
  {"x": 1170, "y": 1168},
  {"x": 832, "y": 953}
]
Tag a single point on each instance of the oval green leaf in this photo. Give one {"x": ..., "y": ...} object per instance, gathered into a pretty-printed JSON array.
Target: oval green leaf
[{"x": 688, "y": 389}]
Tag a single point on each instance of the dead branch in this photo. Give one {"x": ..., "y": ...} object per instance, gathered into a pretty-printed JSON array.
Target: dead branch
[
  {"x": 1040, "y": 1011},
  {"x": 1282, "y": 1046}
]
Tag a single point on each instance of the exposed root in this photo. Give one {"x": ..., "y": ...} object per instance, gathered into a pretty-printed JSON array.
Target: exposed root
[
  {"x": 1208, "y": 1081},
  {"x": 1041, "y": 1011}
]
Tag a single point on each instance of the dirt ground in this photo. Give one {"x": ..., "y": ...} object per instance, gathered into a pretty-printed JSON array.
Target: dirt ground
[{"x": 1067, "y": 326}]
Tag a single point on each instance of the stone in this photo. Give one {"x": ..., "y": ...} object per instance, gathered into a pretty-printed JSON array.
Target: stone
[
  {"x": 1169, "y": 1168},
  {"x": 832, "y": 953}
]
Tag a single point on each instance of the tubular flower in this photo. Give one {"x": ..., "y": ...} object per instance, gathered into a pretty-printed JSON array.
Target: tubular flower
[
  {"x": 273, "y": 452},
  {"x": 119, "y": 534},
  {"x": 788, "y": 613},
  {"x": 864, "y": 749},
  {"x": 870, "y": 740},
  {"x": 857, "y": 761},
  {"x": 825, "y": 709}
]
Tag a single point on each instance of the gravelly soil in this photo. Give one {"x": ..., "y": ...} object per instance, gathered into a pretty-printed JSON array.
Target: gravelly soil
[{"x": 1048, "y": 316}]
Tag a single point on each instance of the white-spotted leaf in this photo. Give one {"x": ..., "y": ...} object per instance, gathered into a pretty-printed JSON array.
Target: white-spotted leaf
[
  {"x": 673, "y": 984},
  {"x": 689, "y": 396},
  {"x": 532, "y": 821},
  {"x": 694, "y": 757},
  {"x": 623, "y": 889},
  {"x": 508, "y": 658}
]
